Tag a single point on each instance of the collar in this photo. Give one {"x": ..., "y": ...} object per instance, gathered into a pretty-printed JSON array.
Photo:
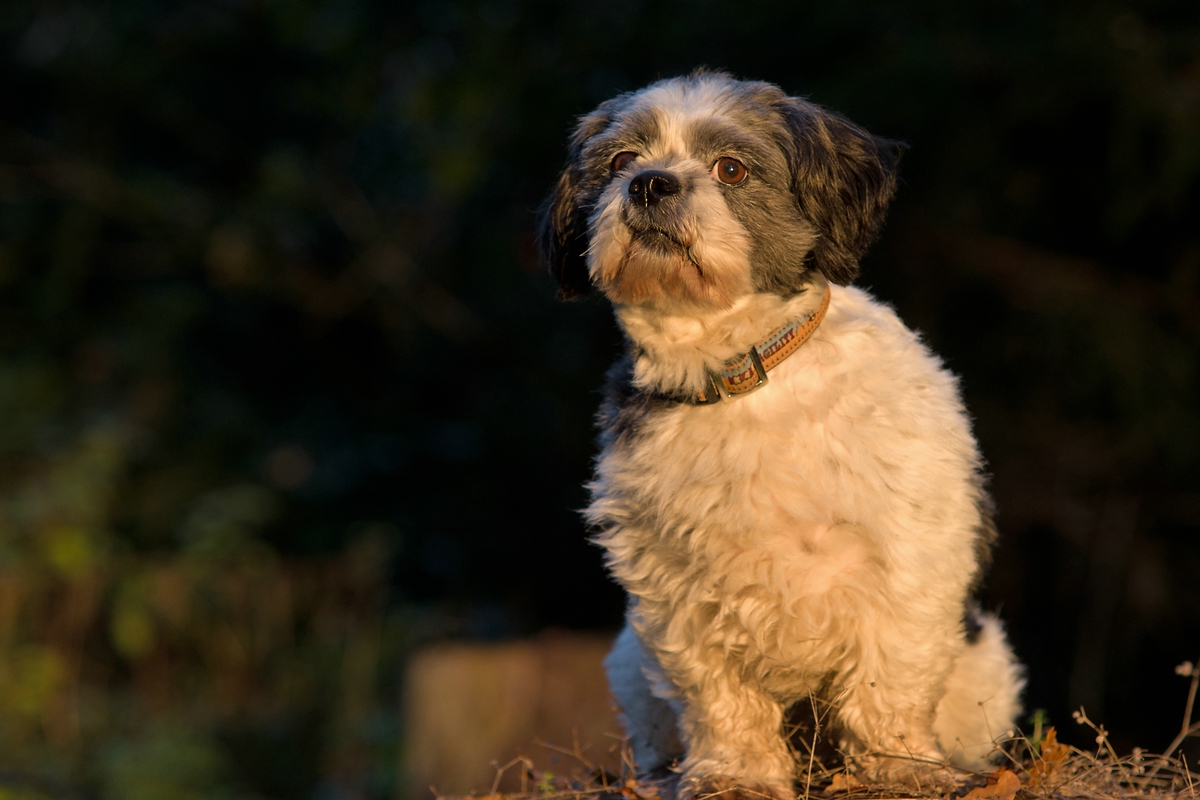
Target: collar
[{"x": 744, "y": 373}]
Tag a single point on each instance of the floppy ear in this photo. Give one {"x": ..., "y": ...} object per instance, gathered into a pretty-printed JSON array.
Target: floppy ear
[
  {"x": 562, "y": 234},
  {"x": 843, "y": 179}
]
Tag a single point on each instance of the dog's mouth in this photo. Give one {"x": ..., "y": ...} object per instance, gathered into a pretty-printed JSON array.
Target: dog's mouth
[
  {"x": 652, "y": 234},
  {"x": 658, "y": 247},
  {"x": 656, "y": 238}
]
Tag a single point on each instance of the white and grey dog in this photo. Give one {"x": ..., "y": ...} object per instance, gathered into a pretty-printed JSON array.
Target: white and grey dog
[{"x": 817, "y": 537}]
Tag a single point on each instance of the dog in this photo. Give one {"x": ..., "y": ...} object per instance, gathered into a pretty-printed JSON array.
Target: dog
[{"x": 788, "y": 487}]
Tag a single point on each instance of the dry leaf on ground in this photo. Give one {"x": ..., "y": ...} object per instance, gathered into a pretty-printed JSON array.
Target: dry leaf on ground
[
  {"x": 632, "y": 790},
  {"x": 843, "y": 782},
  {"x": 1005, "y": 788},
  {"x": 1053, "y": 756}
]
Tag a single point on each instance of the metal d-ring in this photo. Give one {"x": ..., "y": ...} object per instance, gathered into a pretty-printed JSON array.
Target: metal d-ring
[
  {"x": 712, "y": 394},
  {"x": 758, "y": 368}
]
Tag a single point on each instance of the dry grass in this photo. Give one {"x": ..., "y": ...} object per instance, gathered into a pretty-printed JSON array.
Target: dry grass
[{"x": 1033, "y": 767}]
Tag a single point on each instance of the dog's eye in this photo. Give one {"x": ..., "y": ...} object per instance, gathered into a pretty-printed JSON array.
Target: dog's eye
[
  {"x": 622, "y": 160},
  {"x": 729, "y": 170}
]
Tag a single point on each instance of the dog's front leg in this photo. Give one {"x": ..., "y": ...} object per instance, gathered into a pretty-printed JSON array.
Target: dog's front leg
[
  {"x": 730, "y": 727},
  {"x": 732, "y": 732},
  {"x": 887, "y": 703}
]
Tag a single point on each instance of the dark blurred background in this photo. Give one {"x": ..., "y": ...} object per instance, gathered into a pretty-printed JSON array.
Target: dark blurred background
[{"x": 285, "y": 395}]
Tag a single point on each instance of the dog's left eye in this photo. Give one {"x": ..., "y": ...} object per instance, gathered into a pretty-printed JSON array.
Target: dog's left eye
[{"x": 729, "y": 171}]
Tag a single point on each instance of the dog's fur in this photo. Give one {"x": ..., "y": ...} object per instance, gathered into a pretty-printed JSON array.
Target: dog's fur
[{"x": 818, "y": 537}]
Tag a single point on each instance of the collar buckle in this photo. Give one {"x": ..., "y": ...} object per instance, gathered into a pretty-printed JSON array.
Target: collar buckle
[
  {"x": 725, "y": 385},
  {"x": 747, "y": 372},
  {"x": 759, "y": 370}
]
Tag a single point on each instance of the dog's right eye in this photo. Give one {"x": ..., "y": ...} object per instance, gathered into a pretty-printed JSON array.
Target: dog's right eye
[
  {"x": 622, "y": 160},
  {"x": 729, "y": 171}
]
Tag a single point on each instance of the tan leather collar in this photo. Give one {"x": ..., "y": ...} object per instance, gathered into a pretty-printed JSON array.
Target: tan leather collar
[{"x": 744, "y": 373}]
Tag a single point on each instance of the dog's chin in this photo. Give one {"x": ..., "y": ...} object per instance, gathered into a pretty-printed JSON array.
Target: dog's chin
[{"x": 658, "y": 269}]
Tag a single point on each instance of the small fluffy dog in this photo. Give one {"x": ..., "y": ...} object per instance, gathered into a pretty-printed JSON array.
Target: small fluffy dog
[{"x": 788, "y": 487}]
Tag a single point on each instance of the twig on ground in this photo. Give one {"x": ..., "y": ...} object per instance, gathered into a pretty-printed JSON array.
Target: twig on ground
[
  {"x": 501, "y": 770},
  {"x": 812, "y": 750},
  {"x": 1191, "y": 669}
]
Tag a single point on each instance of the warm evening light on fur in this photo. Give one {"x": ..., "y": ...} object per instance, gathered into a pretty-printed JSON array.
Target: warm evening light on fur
[{"x": 818, "y": 537}]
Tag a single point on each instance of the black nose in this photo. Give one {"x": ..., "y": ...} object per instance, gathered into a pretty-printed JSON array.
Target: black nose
[{"x": 653, "y": 185}]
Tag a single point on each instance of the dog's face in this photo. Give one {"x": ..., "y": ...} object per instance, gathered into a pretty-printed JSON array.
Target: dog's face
[{"x": 696, "y": 191}]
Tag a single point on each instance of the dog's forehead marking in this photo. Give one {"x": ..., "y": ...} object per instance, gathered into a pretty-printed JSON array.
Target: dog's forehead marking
[{"x": 677, "y": 107}]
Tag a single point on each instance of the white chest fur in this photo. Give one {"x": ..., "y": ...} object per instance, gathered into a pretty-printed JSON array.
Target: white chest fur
[{"x": 847, "y": 481}]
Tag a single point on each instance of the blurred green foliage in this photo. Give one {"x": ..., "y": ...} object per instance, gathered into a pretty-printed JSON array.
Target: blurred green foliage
[{"x": 284, "y": 393}]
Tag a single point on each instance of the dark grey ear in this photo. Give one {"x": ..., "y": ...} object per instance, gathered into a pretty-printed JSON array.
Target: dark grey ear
[
  {"x": 843, "y": 179},
  {"x": 562, "y": 234}
]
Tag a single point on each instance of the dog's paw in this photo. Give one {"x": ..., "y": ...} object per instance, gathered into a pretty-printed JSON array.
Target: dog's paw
[
  {"x": 923, "y": 775},
  {"x": 722, "y": 788}
]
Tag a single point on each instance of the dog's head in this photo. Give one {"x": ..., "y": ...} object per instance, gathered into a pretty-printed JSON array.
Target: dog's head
[{"x": 696, "y": 191}]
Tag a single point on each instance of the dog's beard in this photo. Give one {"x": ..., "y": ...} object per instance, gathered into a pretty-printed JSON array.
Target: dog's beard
[{"x": 699, "y": 259}]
